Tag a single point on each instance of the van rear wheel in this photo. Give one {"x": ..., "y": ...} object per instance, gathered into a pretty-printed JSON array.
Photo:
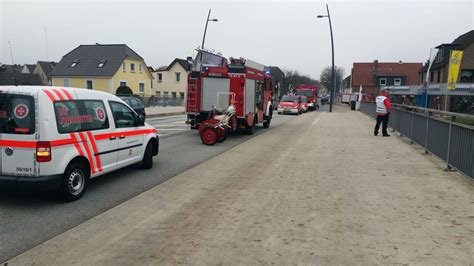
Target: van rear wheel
[{"x": 75, "y": 180}]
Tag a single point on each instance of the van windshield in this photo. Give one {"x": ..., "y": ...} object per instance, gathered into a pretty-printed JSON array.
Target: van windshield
[{"x": 17, "y": 114}]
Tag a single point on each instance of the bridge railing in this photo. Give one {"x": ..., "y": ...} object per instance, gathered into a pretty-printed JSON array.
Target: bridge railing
[{"x": 450, "y": 136}]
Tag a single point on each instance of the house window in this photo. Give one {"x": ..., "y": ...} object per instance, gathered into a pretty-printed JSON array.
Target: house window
[
  {"x": 140, "y": 68},
  {"x": 151, "y": 84},
  {"x": 123, "y": 83},
  {"x": 431, "y": 76},
  {"x": 158, "y": 94},
  {"x": 132, "y": 67},
  {"x": 89, "y": 84},
  {"x": 439, "y": 76},
  {"x": 141, "y": 87},
  {"x": 74, "y": 63},
  {"x": 467, "y": 76},
  {"x": 173, "y": 94},
  {"x": 66, "y": 82},
  {"x": 123, "y": 67},
  {"x": 178, "y": 76},
  {"x": 181, "y": 95},
  {"x": 397, "y": 81},
  {"x": 160, "y": 77},
  {"x": 165, "y": 94},
  {"x": 383, "y": 82},
  {"x": 101, "y": 64}
]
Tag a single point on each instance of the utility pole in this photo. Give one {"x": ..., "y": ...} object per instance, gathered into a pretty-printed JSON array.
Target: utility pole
[
  {"x": 46, "y": 42},
  {"x": 333, "y": 75},
  {"x": 11, "y": 52}
]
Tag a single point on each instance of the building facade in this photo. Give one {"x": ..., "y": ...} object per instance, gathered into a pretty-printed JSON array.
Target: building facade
[
  {"x": 171, "y": 81},
  {"x": 374, "y": 76},
  {"x": 104, "y": 67}
]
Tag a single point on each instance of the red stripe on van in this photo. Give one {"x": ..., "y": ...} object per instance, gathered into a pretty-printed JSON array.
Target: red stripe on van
[
  {"x": 94, "y": 149},
  {"x": 76, "y": 144},
  {"x": 50, "y": 95},
  {"x": 125, "y": 133},
  {"x": 62, "y": 142},
  {"x": 88, "y": 152},
  {"x": 18, "y": 144},
  {"x": 68, "y": 95},
  {"x": 60, "y": 96}
]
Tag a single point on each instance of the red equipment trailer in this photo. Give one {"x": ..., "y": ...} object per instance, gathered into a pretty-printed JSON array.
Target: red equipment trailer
[
  {"x": 311, "y": 92},
  {"x": 213, "y": 83}
]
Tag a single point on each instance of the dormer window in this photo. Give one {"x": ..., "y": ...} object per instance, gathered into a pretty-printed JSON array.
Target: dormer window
[
  {"x": 101, "y": 64},
  {"x": 74, "y": 63}
]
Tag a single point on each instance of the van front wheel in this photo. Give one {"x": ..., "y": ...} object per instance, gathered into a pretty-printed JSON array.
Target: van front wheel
[
  {"x": 74, "y": 182},
  {"x": 147, "y": 162}
]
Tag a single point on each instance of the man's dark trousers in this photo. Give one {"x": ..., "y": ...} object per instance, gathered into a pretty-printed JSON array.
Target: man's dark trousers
[{"x": 384, "y": 120}]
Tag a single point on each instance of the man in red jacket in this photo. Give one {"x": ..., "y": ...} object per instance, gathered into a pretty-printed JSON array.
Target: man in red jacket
[{"x": 383, "y": 112}]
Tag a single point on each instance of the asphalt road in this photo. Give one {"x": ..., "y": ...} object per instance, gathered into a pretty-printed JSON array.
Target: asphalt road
[{"x": 28, "y": 219}]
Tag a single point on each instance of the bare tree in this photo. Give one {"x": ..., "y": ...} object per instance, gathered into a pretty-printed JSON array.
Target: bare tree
[
  {"x": 326, "y": 77},
  {"x": 293, "y": 78}
]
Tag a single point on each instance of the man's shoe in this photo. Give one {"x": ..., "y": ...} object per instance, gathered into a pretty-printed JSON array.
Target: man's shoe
[
  {"x": 387, "y": 135},
  {"x": 376, "y": 134}
]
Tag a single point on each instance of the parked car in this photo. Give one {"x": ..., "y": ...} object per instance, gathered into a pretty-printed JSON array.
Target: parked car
[
  {"x": 290, "y": 104},
  {"x": 135, "y": 102},
  {"x": 58, "y": 138}
]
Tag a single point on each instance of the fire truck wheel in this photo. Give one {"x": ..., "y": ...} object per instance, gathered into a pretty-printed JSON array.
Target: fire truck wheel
[
  {"x": 223, "y": 135},
  {"x": 266, "y": 123},
  {"x": 209, "y": 135},
  {"x": 249, "y": 129},
  {"x": 147, "y": 161},
  {"x": 74, "y": 182}
]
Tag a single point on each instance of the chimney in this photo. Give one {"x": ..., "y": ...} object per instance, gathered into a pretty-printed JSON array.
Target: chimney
[{"x": 376, "y": 66}]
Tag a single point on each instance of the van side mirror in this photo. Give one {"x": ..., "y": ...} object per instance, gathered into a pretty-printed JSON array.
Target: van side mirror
[{"x": 141, "y": 120}]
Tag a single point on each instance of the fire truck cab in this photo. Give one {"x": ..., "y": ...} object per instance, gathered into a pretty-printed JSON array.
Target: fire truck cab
[{"x": 214, "y": 83}]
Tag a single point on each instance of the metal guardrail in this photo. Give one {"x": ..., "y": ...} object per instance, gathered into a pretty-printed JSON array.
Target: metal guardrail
[
  {"x": 437, "y": 131},
  {"x": 162, "y": 101}
]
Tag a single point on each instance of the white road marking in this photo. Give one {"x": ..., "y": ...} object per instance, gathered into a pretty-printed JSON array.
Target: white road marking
[{"x": 317, "y": 119}]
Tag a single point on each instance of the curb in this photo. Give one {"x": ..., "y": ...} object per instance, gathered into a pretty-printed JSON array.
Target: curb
[{"x": 164, "y": 114}]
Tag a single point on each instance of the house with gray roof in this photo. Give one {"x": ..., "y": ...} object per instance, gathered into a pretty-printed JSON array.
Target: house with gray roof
[{"x": 104, "y": 67}]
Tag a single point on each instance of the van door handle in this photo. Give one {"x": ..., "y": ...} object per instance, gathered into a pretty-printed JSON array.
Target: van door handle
[
  {"x": 112, "y": 138},
  {"x": 121, "y": 137}
]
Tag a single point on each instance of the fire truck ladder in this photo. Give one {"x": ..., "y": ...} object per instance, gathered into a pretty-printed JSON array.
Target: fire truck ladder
[{"x": 192, "y": 95}]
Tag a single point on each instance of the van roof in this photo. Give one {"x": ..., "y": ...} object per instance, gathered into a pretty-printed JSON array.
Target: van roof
[{"x": 35, "y": 89}]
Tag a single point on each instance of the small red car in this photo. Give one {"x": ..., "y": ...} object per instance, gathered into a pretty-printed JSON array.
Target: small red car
[{"x": 290, "y": 104}]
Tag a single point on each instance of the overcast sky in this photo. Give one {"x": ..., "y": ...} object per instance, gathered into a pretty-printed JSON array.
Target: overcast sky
[{"x": 282, "y": 33}]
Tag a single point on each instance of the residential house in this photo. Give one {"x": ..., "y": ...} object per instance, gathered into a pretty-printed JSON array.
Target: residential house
[
  {"x": 28, "y": 69},
  {"x": 463, "y": 95},
  {"x": 43, "y": 69},
  {"x": 104, "y": 67},
  {"x": 439, "y": 68},
  {"x": 378, "y": 75},
  {"x": 171, "y": 81},
  {"x": 11, "y": 75}
]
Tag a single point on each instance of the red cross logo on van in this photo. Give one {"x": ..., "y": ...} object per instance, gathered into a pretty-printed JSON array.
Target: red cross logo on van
[
  {"x": 100, "y": 114},
  {"x": 21, "y": 111}
]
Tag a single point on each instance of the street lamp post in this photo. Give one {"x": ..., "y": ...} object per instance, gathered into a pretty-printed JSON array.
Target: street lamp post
[
  {"x": 333, "y": 74},
  {"x": 205, "y": 29}
]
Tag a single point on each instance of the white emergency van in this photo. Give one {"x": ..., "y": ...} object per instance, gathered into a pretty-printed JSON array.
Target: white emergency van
[{"x": 59, "y": 138}]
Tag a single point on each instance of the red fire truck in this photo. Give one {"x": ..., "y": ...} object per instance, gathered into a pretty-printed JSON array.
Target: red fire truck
[
  {"x": 214, "y": 84},
  {"x": 311, "y": 92}
]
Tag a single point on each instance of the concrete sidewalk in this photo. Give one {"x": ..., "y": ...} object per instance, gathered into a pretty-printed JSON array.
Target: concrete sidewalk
[
  {"x": 319, "y": 189},
  {"x": 157, "y": 111}
]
